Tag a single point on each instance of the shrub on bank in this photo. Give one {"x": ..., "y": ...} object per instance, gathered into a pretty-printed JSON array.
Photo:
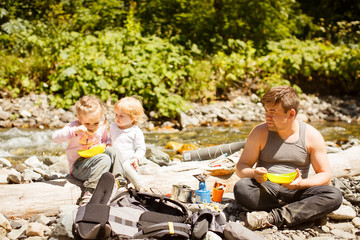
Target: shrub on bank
[{"x": 115, "y": 63}]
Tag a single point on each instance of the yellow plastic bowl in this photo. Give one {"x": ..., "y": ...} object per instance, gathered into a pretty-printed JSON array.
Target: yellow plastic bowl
[
  {"x": 281, "y": 178},
  {"x": 92, "y": 151}
]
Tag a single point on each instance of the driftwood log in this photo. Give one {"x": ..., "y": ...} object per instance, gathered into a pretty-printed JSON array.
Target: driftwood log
[{"x": 25, "y": 200}]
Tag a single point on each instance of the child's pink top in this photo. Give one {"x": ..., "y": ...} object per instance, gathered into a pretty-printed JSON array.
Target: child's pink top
[{"x": 82, "y": 141}]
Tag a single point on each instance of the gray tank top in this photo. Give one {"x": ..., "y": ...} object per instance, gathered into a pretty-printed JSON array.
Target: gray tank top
[{"x": 279, "y": 156}]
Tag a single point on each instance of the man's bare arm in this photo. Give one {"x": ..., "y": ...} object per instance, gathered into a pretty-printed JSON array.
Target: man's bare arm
[{"x": 250, "y": 155}]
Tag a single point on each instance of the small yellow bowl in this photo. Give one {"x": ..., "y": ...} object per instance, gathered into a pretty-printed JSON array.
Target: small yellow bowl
[
  {"x": 281, "y": 178},
  {"x": 92, "y": 151}
]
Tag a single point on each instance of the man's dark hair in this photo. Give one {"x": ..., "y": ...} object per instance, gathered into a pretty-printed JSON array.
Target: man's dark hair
[{"x": 285, "y": 95}]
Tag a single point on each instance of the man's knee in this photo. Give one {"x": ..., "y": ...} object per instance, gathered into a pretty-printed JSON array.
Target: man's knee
[
  {"x": 243, "y": 193},
  {"x": 336, "y": 197}
]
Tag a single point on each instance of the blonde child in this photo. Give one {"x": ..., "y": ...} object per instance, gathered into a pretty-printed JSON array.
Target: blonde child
[
  {"x": 128, "y": 139},
  {"x": 89, "y": 130}
]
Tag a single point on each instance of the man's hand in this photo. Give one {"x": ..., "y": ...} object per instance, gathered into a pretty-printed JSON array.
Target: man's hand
[
  {"x": 260, "y": 174},
  {"x": 295, "y": 184}
]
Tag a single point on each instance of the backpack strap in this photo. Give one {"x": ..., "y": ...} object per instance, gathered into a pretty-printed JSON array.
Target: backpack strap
[
  {"x": 91, "y": 221},
  {"x": 145, "y": 198},
  {"x": 148, "y": 218},
  {"x": 178, "y": 230},
  {"x": 104, "y": 189}
]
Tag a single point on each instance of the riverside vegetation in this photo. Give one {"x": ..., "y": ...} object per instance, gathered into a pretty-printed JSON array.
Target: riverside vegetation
[{"x": 171, "y": 52}]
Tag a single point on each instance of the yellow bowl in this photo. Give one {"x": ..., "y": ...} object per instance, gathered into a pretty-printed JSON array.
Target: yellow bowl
[
  {"x": 92, "y": 151},
  {"x": 281, "y": 178}
]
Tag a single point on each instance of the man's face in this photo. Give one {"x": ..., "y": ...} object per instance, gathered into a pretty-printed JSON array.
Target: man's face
[{"x": 275, "y": 117}]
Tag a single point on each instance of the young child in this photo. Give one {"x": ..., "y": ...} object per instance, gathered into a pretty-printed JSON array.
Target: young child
[
  {"x": 128, "y": 140},
  {"x": 89, "y": 130}
]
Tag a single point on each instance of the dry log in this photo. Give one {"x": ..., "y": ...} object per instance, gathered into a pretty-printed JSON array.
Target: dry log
[{"x": 25, "y": 200}]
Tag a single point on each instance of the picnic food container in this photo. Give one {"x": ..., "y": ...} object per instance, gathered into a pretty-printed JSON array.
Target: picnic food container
[{"x": 182, "y": 193}]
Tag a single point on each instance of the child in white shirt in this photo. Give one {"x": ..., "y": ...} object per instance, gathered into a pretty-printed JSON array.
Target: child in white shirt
[{"x": 128, "y": 140}]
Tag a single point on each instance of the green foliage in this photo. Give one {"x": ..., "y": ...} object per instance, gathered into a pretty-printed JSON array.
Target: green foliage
[
  {"x": 170, "y": 51},
  {"x": 210, "y": 24},
  {"x": 315, "y": 66},
  {"x": 116, "y": 63},
  {"x": 336, "y": 21},
  {"x": 19, "y": 76}
]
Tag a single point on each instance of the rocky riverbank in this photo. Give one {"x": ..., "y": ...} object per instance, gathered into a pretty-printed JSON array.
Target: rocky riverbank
[
  {"x": 35, "y": 111},
  {"x": 343, "y": 223}
]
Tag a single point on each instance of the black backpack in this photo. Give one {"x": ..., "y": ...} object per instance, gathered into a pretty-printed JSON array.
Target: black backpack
[{"x": 132, "y": 214}]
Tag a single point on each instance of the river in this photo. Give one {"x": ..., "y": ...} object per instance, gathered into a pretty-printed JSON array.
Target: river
[{"x": 19, "y": 144}]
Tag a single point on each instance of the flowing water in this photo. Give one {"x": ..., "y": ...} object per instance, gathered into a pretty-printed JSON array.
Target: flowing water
[{"x": 19, "y": 144}]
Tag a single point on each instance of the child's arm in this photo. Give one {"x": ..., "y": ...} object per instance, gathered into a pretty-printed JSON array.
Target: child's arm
[
  {"x": 68, "y": 132},
  {"x": 133, "y": 176},
  {"x": 140, "y": 147},
  {"x": 64, "y": 134}
]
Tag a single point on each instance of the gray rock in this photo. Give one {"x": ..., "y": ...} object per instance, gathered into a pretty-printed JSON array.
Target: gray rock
[
  {"x": 17, "y": 232},
  {"x": 356, "y": 222},
  {"x": 4, "y": 115},
  {"x": 33, "y": 162},
  {"x": 343, "y": 213},
  {"x": 25, "y": 114},
  {"x": 63, "y": 228},
  {"x": 30, "y": 176},
  {"x": 186, "y": 120},
  {"x": 3, "y": 234},
  {"x": 40, "y": 218},
  {"x": 4, "y": 162},
  {"x": 4, "y": 175},
  {"x": 342, "y": 234},
  {"x": 159, "y": 157},
  {"x": 4, "y": 223},
  {"x": 14, "y": 176}
]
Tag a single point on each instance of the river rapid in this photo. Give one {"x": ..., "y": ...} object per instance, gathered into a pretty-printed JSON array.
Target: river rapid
[{"x": 17, "y": 144}]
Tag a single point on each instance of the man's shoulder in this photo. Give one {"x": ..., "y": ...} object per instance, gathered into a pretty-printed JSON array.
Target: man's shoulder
[
  {"x": 310, "y": 129},
  {"x": 312, "y": 135},
  {"x": 259, "y": 131},
  {"x": 261, "y": 127}
]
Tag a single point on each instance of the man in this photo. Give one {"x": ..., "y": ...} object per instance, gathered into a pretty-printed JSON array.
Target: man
[{"x": 283, "y": 144}]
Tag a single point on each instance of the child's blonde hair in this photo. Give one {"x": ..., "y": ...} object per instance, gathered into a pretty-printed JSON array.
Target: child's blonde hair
[
  {"x": 131, "y": 106},
  {"x": 89, "y": 105}
]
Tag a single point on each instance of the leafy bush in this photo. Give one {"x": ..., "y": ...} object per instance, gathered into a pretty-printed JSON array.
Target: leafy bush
[
  {"x": 315, "y": 66},
  {"x": 114, "y": 64}
]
